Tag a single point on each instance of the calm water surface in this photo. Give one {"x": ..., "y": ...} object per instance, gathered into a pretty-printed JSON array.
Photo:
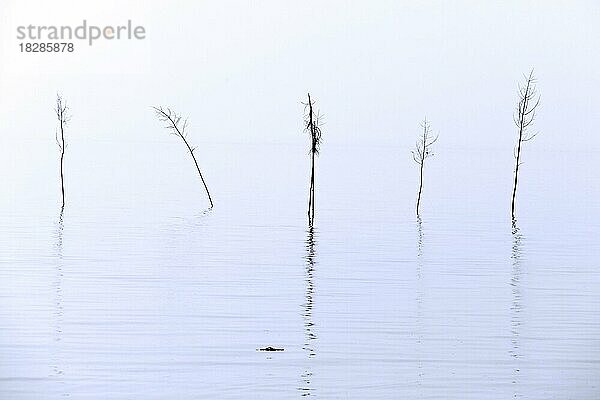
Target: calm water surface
[{"x": 137, "y": 291}]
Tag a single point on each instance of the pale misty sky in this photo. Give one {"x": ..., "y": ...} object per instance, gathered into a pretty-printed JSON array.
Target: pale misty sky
[{"x": 239, "y": 70}]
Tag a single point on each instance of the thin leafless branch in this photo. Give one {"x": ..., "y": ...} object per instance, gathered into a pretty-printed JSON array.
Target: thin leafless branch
[
  {"x": 176, "y": 125},
  {"x": 524, "y": 116},
  {"x": 62, "y": 114},
  {"x": 312, "y": 124},
  {"x": 422, "y": 152}
]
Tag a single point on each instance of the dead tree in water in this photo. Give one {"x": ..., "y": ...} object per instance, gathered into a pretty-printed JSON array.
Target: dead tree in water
[
  {"x": 421, "y": 153},
  {"x": 61, "y": 111},
  {"x": 178, "y": 128},
  {"x": 529, "y": 101},
  {"x": 312, "y": 125}
]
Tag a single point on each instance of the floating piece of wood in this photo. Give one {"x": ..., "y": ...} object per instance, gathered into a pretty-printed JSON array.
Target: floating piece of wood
[{"x": 270, "y": 349}]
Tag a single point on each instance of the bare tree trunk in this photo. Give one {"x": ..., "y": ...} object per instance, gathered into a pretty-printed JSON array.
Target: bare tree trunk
[
  {"x": 310, "y": 192},
  {"x": 62, "y": 112},
  {"x": 526, "y": 110},
  {"x": 518, "y": 158},
  {"x": 514, "y": 193},
  {"x": 311, "y": 125},
  {"x": 420, "y": 187},
  {"x": 312, "y": 188},
  {"x": 312, "y": 168},
  {"x": 199, "y": 173},
  {"x": 62, "y": 157}
]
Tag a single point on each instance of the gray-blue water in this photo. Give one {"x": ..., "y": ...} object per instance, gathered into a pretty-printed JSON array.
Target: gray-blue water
[{"x": 138, "y": 292}]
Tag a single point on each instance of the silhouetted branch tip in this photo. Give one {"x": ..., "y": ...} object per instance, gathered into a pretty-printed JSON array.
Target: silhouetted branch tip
[
  {"x": 313, "y": 121},
  {"x": 62, "y": 114},
  {"x": 173, "y": 123},
  {"x": 524, "y": 116},
  {"x": 312, "y": 124},
  {"x": 423, "y": 151}
]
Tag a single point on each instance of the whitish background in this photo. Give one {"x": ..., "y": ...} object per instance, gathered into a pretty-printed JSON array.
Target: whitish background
[{"x": 137, "y": 291}]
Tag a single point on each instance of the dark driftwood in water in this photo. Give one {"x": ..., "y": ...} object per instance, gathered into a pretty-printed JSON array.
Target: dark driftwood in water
[
  {"x": 529, "y": 100},
  {"x": 312, "y": 125},
  {"x": 270, "y": 349},
  {"x": 421, "y": 153},
  {"x": 177, "y": 128},
  {"x": 61, "y": 111}
]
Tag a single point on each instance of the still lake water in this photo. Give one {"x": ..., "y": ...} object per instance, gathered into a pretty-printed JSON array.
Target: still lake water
[{"x": 138, "y": 292}]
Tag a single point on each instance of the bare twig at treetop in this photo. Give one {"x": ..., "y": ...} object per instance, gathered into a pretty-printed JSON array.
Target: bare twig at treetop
[{"x": 178, "y": 128}]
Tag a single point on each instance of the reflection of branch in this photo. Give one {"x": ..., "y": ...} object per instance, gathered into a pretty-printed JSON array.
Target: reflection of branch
[
  {"x": 308, "y": 305},
  {"x": 420, "y": 295},
  {"x": 58, "y": 288},
  {"x": 420, "y": 241},
  {"x": 516, "y": 306},
  {"x": 307, "y": 314}
]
